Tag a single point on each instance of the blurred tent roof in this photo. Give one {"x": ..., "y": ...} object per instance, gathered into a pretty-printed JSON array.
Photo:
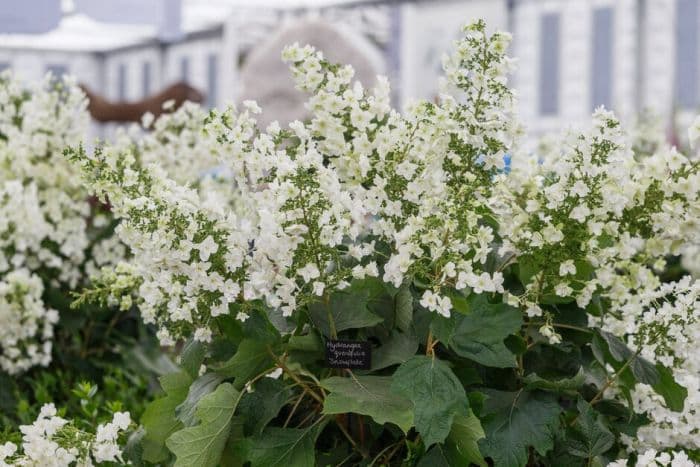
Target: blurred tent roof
[
  {"x": 80, "y": 33},
  {"x": 283, "y": 4},
  {"x": 90, "y": 26}
]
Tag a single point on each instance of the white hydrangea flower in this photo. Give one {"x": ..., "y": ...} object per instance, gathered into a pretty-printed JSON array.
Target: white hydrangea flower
[
  {"x": 27, "y": 324},
  {"x": 46, "y": 228},
  {"x": 53, "y": 441}
]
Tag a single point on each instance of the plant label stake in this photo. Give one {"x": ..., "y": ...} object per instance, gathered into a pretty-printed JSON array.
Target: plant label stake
[{"x": 348, "y": 354}]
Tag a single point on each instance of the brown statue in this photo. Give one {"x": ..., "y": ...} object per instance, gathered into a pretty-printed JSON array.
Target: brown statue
[{"x": 103, "y": 110}]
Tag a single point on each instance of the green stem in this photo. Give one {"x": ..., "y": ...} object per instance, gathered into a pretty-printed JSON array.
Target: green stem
[
  {"x": 295, "y": 377},
  {"x": 610, "y": 381},
  {"x": 383, "y": 451},
  {"x": 347, "y": 435},
  {"x": 331, "y": 321},
  {"x": 294, "y": 409}
]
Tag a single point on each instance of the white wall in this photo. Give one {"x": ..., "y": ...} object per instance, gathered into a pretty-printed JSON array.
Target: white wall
[
  {"x": 133, "y": 59},
  {"x": 197, "y": 51},
  {"x": 429, "y": 30},
  {"x": 30, "y": 65},
  {"x": 659, "y": 56},
  {"x": 576, "y": 42}
]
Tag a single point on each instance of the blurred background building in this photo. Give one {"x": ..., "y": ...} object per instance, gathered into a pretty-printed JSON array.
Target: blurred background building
[{"x": 574, "y": 55}]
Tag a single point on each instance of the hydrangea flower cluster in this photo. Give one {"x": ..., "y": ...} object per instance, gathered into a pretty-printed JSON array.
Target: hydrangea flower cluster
[
  {"x": 653, "y": 458},
  {"x": 662, "y": 322},
  {"x": 53, "y": 441},
  {"x": 37, "y": 124},
  {"x": 27, "y": 325},
  {"x": 175, "y": 141},
  {"x": 591, "y": 210},
  {"x": 49, "y": 233},
  {"x": 591, "y": 219},
  {"x": 323, "y": 198}
]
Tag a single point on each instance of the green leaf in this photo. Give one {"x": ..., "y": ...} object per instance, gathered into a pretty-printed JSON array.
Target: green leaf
[
  {"x": 436, "y": 393},
  {"x": 283, "y": 324},
  {"x": 397, "y": 349},
  {"x": 657, "y": 376},
  {"x": 527, "y": 269},
  {"x": 234, "y": 454},
  {"x": 192, "y": 357},
  {"x": 480, "y": 334},
  {"x": 133, "y": 451},
  {"x": 259, "y": 328},
  {"x": 460, "y": 303},
  {"x": 589, "y": 437},
  {"x": 202, "y": 445},
  {"x": 443, "y": 328},
  {"x": 563, "y": 385},
  {"x": 146, "y": 359},
  {"x": 221, "y": 348},
  {"x": 461, "y": 446},
  {"x": 263, "y": 404},
  {"x": 673, "y": 393},
  {"x": 643, "y": 370},
  {"x": 284, "y": 447},
  {"x": 437, "y": 456},
  {"x": 368, "y": 395},
  {"x": 307, "y": 343},
  {"x": 403, "y": 307},
  {"x": 393, "y": 305},
  {"x": 348, "y": 309},
  {"x": 516, "y": 421},
  {"x": 251, "y": 359},
  {"x": 463, "y": 440},
  {"x": 8, "y": 400},
  {"x": 205, "y": 384},
  {"x": 159, "y": 417}
]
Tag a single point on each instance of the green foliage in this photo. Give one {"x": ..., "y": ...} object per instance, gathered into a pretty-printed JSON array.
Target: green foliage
[
  {"x": 288, "y": 447},
  {"x": 203, "y": 445},
  {"x": 160, "y": 420},
  {"x": 479, "y": 334},
  {"x": 192, "y": 357},
  {"x": 201, "y": 387},
  {"x": 673, "y": 393},
  {"x": 437, "y": 396},
  {"x": 251, "y": 358},
  {"x": 633, "y": 368},
  {"x": 589, "y": 437},
  {"x": 345, "y": 309},
  {"x": 461, "y": 446},
  {"x": 260, "y": 406},
  {"x": 568, "y": 386},
  {"x": 368, "y": 395},
  {"x": 103, "y": 360},
  {"x": 478, "y": 388},
  {"x": 516, "y": 421},
  {"x": 398, "y": 348}
]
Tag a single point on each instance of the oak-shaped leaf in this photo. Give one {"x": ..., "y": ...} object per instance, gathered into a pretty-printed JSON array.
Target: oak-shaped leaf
[
  {"x": 159, "y": 418},
  {"x": 437, "y": 395},
  {"x": 514, "y": 422},
  {"x": 368, "y": 395},
  {"x": 203, "y": 445}
]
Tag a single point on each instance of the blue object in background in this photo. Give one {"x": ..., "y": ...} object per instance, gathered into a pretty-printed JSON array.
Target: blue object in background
[{"x": 506, "y": 159}]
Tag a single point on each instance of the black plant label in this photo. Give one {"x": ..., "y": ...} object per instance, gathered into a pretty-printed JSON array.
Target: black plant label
[{"x": 348, "y": 354}]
